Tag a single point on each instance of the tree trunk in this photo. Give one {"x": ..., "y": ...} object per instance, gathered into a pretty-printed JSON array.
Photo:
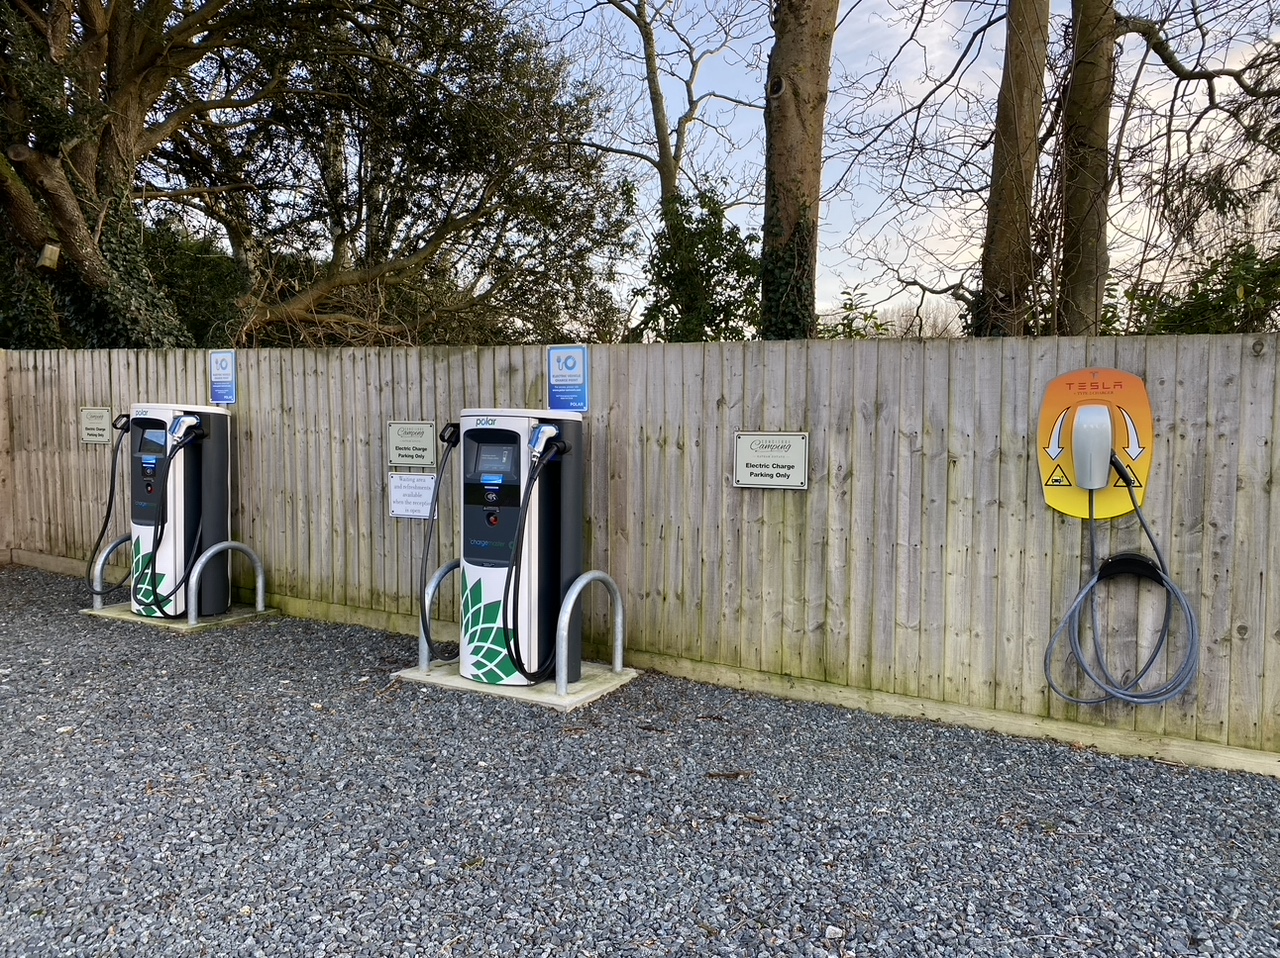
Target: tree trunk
[
  {"x": 1003, "y": 306},
  {"x": 1085, "y": 165},
  {"x": 794, "y": 120}
]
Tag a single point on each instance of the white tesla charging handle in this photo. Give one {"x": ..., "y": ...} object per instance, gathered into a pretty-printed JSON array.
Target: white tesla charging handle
[{"x": 1091, "y": 446}]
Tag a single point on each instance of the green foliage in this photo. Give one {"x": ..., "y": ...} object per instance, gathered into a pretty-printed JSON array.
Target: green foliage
[
  {"x": 787, "y": 285},
  {"x": 49, "y": 106},
  {"x": 199, "y": 278},
  {"x": 465, "y": 145},
  {"x": 703, "y": 276},
  {"x": 411, "y": 173},
  {"x": 856, "y": 320},
  {"x": 1235, "y": 292},
  {"x": 28, "y": 304}
]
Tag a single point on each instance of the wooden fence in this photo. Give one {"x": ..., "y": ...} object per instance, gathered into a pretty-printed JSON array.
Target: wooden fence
[{"x": 921, "y": 564}]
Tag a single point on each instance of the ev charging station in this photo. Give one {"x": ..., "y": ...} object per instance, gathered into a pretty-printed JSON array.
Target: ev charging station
[
  {"x": 521, "y": 509},
  {"x": 521, "y": 520},
  {"x": 180, "y": 505},
  {"x": 1096, "y": 440}
]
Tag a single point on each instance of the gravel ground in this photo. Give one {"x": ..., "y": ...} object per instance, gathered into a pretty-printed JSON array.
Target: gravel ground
[{"x": 263, "y": 790}]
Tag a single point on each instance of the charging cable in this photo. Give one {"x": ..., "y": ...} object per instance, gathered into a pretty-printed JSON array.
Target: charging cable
[
  {"x": 1135, "y": 564},
  {"x": 545, "y": 449},
  {"x": 158, "y": 599},
  {"x": 121, "y": 425},
  {"x": 450, "y": 435}
]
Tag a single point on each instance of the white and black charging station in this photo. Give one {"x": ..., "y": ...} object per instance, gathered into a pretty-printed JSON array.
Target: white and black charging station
[
  {"x": 521, "y": 509},
  {"x": 179, "y": 505},
  {"x": 521, "y": 520}
]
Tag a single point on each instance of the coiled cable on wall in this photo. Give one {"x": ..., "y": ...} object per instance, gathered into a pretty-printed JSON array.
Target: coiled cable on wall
[{"x": 1125, "y": 563}]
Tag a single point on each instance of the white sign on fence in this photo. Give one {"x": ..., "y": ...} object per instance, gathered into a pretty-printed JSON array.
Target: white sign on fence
[
  {"x": 95, "y": 424},
  {"x": 771, "y": 460},
  {"x": 411, "y": 444},
  {"x": 410, "y": 494}
]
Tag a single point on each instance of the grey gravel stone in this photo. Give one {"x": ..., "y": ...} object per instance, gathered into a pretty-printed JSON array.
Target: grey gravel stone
[{"x": 265, "y": 790}]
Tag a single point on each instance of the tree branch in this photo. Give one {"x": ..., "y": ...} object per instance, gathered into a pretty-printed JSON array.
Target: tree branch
[{"x": 1150, "y": 31}]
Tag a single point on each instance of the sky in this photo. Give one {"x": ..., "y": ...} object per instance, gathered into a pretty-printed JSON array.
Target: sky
[{"x": 860, "y": 224}]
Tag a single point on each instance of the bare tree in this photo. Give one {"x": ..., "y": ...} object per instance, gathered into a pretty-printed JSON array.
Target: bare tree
[
  {"x": 795, "y": 123},
  {"x": 1008, "y": 265}
]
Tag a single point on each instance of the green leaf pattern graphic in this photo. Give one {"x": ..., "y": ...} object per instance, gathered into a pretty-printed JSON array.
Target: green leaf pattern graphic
[
  {"x": 483, "y": 638},
  {"x": 147, "y": 584}
]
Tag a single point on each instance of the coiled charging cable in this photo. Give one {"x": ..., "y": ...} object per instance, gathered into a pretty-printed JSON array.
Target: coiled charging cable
[{"x": 1135, "y": 564}]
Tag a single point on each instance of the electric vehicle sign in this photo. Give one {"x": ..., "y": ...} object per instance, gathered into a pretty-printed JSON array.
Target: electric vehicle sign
[
  {"x": 771, "y": 460},
  {"x": 222, "y": 377},
  {"x": 95, "y": 424},
  {"x": 568, "y": 379},
  {"x": 1124, "y": 396},
  {"x": 411, "y": 444}
]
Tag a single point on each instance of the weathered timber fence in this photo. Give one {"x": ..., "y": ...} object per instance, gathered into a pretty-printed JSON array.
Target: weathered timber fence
[{"x": 921, "y": 564}]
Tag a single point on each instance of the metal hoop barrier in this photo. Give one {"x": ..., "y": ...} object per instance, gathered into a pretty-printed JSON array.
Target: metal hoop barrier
[
  {"x": 193, "y": 584},
  {"x": 428, "y": 600},
  {"x": 566, "y": 613},
  {"x": 98, "y": 580}
]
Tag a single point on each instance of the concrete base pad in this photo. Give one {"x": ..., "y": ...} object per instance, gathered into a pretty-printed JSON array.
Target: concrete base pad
[
  {"x": 597, "y": 680},
  {"x": 236, "y": 616}
]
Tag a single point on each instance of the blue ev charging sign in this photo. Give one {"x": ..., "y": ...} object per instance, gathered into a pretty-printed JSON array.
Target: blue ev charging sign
[{"x": 567, "y": 377}]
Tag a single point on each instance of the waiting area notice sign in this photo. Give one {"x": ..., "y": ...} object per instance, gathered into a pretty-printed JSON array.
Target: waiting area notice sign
[{"x": 771, "y": 460}]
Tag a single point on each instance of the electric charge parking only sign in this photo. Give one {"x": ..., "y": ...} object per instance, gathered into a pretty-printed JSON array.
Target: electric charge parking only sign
[{"x": 568, "y": 382}]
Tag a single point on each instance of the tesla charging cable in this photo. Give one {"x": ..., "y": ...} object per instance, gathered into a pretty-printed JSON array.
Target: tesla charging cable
[
  {"x": 450, "y": 435},
  {"x": 121, "y": 425},
  {"x": 544, "y": 446},
  {"x": 1125, "y": 563}
]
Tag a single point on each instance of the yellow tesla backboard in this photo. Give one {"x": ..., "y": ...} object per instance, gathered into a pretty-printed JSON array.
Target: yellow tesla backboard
[{"x": 1125, "y": 395}]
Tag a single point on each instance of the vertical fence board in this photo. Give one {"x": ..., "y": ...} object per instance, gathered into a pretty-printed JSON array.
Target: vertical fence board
[
  {"x": 819, "y": 517},
  {"x": 1217, "y": 560},
  {"x": 732, "y": 415},
  {"x": 862, "y": 544},
  {"x": 1187, "y": 458},
  {"x": 886, "y": 548},
  {"x": 909, "y": 488},
  {"x": 961, "y": 574},
  {"x": 985, "y": 608},
  {"x": 933, "y": 519},
  {"x": 1269, "y": 706},
  {"x": 795, "y": 527},
  {"x": 688, "y": 613},
  {"x": 1161, "y": 357},
  {"x": 1247, "y": 626},
  {"x": 834, "y": 639},
  {"x": 1016, "y": 451},
  {"x": 1039, "y": 616},
  {"x": 751, "y": 502},
  {"x": 716, "y": 488}
]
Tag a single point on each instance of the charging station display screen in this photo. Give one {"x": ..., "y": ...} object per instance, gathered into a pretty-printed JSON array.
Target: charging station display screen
[
  {"x": 151, "y": 442},
  {"x": 492, "y": 457}
]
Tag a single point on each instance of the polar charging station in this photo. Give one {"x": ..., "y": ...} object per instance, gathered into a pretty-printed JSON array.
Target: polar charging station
[
  {"x": 521, "y": 512},
  {"x": 179, "y": 505}
]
